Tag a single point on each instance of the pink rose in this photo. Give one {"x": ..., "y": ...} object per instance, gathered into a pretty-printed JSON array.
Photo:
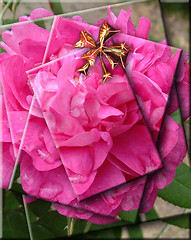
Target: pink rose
[
  {"x": 92, "y": 124},
  {"x": 74, "y": 111},
  {"x": 7, "y": 152},
  {"x": 182, "y": 86}
]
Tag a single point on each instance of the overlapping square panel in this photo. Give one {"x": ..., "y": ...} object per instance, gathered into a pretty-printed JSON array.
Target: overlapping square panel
[
  {"x": 160, "y": 112},
  {"x": 90, "y": 122},
  {"x": 8, "y": 160},
  {"x": 88, "y": 151},
  {"x": 21, "y": 118},
  {"x": 90, "y": 209},
  {"x": 57, "y": 115}
]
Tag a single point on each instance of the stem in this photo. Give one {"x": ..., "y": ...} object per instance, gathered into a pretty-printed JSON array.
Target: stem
[
  {"x": 165, "y": 228},
  {"x": 15, "y": 3},
  {"x": 4, "y": 10},
  {"x": 56, "y": 6},
  {"x": 87, "y": 228},
  {"x": 70, "y": 222}
]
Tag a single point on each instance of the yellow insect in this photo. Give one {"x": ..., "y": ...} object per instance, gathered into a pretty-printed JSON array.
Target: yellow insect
[{"x": 118, "y": 52}]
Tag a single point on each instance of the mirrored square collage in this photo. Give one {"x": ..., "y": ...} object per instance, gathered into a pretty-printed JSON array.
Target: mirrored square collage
[{"x": 95, "y": 120}]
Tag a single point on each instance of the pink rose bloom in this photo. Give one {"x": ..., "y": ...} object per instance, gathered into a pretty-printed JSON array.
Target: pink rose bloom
[
  {"x": 97, "y": 128},
  {"x": 182, "y": 86},
  {"x": 74, "y": 110},
  {"x": 151, "y": 71},
  {"x": 7, "y": 153}
]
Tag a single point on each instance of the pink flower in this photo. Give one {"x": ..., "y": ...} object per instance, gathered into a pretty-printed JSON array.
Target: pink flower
[
  {"x": 91, "y": 123},
  {"x": 7, "y": 152},
  {"x": 182, "y": 85}
]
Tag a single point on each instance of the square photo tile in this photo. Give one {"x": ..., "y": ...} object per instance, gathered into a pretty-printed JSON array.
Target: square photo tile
[{"x": 59, "y": 66}]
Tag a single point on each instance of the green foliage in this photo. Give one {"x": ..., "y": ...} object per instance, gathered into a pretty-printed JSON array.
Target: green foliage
[
  {"x": 14, "y": 224},
  {"x": 39, "y": 207},
  {"x": 9, "y": 21},
  {"x": 181, "y": 8},
  {"x": 129, "y": 216},
  {"x": 179, "y": 191},
  {"x": 1, "y": 49},
  {"x": 55, "y": 222},
  {"x": 106, "y": 234},
  {"x": 46, "y": 223},
  {"x": 56, "y": 6},
  {"x": 151, "y": 215},
  {"x": 41, "y": 232},
  {"x": 40, "y": 23},
  {"x": 176, "y": 116},
  {"x": 135, "y": 232},
  {"x": 10, "y": 202},
  {"x": 182, "y": 221},
  {"x": 14, "y": 218},
  {"x": 17, "y": 187},
  {"x": 8, "y": 4}
]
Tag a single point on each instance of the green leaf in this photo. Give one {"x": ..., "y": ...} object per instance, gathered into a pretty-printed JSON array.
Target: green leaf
[
  {"x": 41, "y": 232},
  {"x": 151, "y": 215},
  {"x": 79, "y": 226},
  {"x": 135, "y": 232},
  {"x": 9, "y": 21},
  {"x": 16, "y": 187},
  {"x": 95, "y": 227},
  {"x": 10, "y": 202},
  {"x": 18, "y": 197},
  {"x": 179, "y": 191},
  {"x": 40, "y": 23},
  {"x": 106, "y": 234},
  {"x": 1, "y": 49},
  {"x": 129, "y": 216},
  {"x": 39, "y": 207},
  {"x": 31, "y": 215},
  {"x": 182, "y": 221},
  {"x": 15, "y": 224},
  {"x": 8, "y": 3},
  {"x": 17, "y": 172},
  {"x": 55, "y": 222},
  {"x": 176, "y": 116},
  {"x": 56, "y": 7}
]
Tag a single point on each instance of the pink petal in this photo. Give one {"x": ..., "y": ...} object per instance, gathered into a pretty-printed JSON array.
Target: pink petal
[
  {"x": 83, "y": 139},
  {"x": 5, "y": 131},
  {"x": 32, "y": 49},
  {"x": 124, "y": 23},
  {"x": 107, "y": 111},
  {"x": 111, "y": 18},
  {"x": 15, "y": 83},
  {"x": 62, "y": 125},
  {"x": 107, "y": 177},
  {"x": 143, "y": 28},
  {"x": 7, "y": 164},
  {"x": 80, "y": 183},
  {"x": 169, "y": 136},
  {"x": 72, "y": 212},
  {"x": 51, "y": 185},
  {"x": 35, "y": 14},
  {"x": 16, "y": 35},
  {"x": 101, "y": 150},
  {"x": 45, "y": 86},
  {"x": 136, "y": 150},
  {"x": 79, "y": 160},
  {"x": 71, "y": 30}
]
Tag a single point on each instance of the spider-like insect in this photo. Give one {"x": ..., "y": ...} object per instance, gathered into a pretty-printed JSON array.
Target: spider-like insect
[{"x": 117, "y": 52}]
